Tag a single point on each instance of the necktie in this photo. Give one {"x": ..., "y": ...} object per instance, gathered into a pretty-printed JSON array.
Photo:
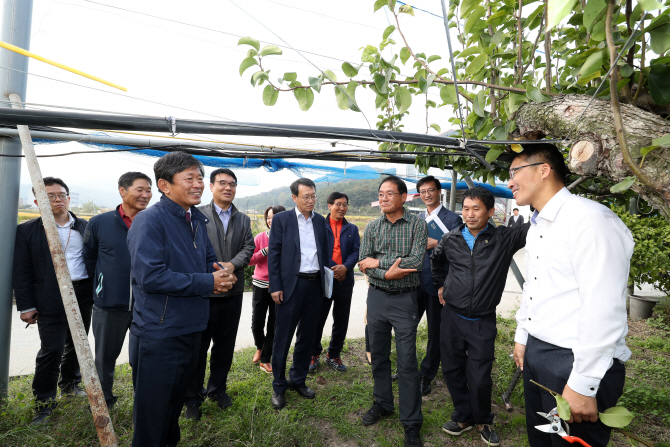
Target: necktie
[{"x": 188, "y": 217}]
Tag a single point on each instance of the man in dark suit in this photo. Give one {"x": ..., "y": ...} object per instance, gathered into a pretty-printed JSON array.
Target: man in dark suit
[
  {"x": 516, "y": 220},
  {"x": 296, "y": 258},
  {"x": 39, "y": 300},
  {"x": 429, "y": 189}
]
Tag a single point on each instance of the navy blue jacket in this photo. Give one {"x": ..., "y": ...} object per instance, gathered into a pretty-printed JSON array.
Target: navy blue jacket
[
  {"x": 450, "y": 220},
  {"x": 171, "y": 265},
  {"x": 284, "y": 251},
  {"x": 33, "y": 276},
  {"x": 350, "y": 243},
  {"x": 108, "y": 261}
]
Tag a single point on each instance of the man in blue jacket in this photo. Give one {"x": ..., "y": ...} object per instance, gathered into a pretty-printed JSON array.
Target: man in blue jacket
[
  {"x": 173, "y": 267},
  {"x": 343, "y": 245},
  {"x": 108, "y": 263},
  {"x": 429, "y": 190}
]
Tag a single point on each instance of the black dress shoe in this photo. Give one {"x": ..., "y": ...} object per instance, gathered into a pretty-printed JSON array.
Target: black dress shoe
[
  {"x": 43, "y": 414},
  {"x": 74, "y": 391},
  {"x": 193, "y": 411},
  {"x": 424, "y": 386},
  {"x": 224, "y": 401},
  {"x": 278, "y": 401},
  {"x": 374, "y": 414},
  {"x": 304, "y": 391},
  {"x": 413, "y": 436}
]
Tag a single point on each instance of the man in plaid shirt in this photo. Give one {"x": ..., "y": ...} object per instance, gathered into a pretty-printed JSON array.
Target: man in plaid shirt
[{"x": 392, "y": 253}]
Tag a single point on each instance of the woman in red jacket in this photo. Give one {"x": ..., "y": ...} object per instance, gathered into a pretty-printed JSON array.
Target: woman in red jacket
[{"x": 261, "y": 302}]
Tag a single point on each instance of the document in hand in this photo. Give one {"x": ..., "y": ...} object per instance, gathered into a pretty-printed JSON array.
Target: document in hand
[
  {"x": 329, "y": 277},
  {"x": 435, "y": 228}
]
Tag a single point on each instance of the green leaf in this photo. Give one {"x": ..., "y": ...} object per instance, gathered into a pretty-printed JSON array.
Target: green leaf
[
  {"x": 474, "y": 18},
  {"x": 403, "y": 98},
  {"x": 391, "y": 4},
  {"x": 291, "y": 77},
  {"x": 380, "y": 83},
  {"x": 351, "y": 91},
  {"x": 479, "y": 106},
  {"x": 617, "y": 417},
  {"x": 468, "y": 51},
  {"x": 623, "y": 186},
  {"x": 659, "y": 41},
  {"x": 645, "y": 150},
  {"x": 341, "y": 98},
  {"x": 585, "y": 79},
  {"x": 448, "y": 94},
  {"x": 252, "y": 52},
  {"x": 406, "y": 9},
  {"x": 404, "y": 55},
  {"x": 493, "y": 154},
  {"x": 477, "y": 64},
  {"x": 380, "y": 4},
  {"x": 387, "y": 32},
  {"x": 467, "y": 6},
  {"x": 626, "y": 71},
  {"x": 594, "y": 9},
  {"x": 592, "y": 63},
  {"x": 315, "y": 83},
  {"x": 658, "y": 21},
  {"x": 380, "y": 101},
  {"x": 434, "y": 57},
  {"x": 557, "y": 10},
  {"x": 498, "y": 14},
  {"x": 269, "y": 50},
  {"x": 535, "y": 94},
  {"x": 330, "y": 75},
  {"x": 650, "y": 5},
  {"x": 305, "y": 97},
  {"x": 270, "y": 95},
  {"x": 563, "y": 407},
  {"x": 349, "y": 70},
  {"x": 662, "y": 141},
  {"x": 258, "y": 78},
  {"x": 514, "y": 100},
  {"x": 659, "y": 83},
  {"x": 437, "y": 128},
  {"x": 249, "y": 41},
  {"x": 246, "y": 63}
]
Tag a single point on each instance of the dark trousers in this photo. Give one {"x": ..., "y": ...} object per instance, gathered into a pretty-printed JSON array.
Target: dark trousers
[
  {"x": 262, "y": 304},
  {"x": 57, "y": 356},
  {"x": 397, "y": 312},
  {"x": 551, "y": 366},
  {"x": 162, "y": 370},
  {"x": 109, "y": 331},
  {"x": 298, "y": 312},
  {"x": 468, "y": 350},
  {"x": 431, "y": 305},
  {"x": 224, "y": 319},
  {"x": 341, "y": 302}
]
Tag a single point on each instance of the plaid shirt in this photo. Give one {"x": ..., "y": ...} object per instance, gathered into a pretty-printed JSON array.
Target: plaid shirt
[{"x": 406, "y": 238}]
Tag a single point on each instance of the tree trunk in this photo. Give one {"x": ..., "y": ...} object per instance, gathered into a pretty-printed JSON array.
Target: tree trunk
[{"x": 594, "y": 149}]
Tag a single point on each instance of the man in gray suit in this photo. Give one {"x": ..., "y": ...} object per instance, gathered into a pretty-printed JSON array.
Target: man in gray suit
[
  {"x": 229, "y": 232},
  {"x": 516, "y": 220}
]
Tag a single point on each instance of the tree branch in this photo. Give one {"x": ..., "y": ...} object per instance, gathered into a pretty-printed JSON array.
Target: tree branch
[
  {"x": 642, "y": 49},
  {"x": 532, "y": 52},
  {"x": 520, "y": 36},
  {"x": 547, "y": 52}
]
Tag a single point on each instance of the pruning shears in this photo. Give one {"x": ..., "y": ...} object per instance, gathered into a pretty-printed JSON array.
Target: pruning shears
[{"x": 556, "y": 425}]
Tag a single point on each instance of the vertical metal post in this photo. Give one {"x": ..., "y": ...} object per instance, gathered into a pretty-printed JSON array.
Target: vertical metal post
[
  {"x": 96, "y": 398},
  {"x": 16, "y": 27},
  {"x": 452, "y": 193}
]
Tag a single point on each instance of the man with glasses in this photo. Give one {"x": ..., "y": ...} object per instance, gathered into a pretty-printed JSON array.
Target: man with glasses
[
  {"x": 297, "y": 255},
  {"x": 429, "y": 190},
  {"x": 343, "y": 245},
  {"x": 39, "y": 300},
  {"x": 392, "y": 254},
  {"x": 229, "y": 232}
]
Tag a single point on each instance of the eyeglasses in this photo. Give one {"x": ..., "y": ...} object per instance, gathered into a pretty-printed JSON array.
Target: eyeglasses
[
  {"x": 512, "y": 171},
  {"x": 308, "y": 198},
  {"x": 224, "y": 183},
  {"x": 53, "y": 197},
  {"x": 423, "y": 192},
  {"x": 388, "y": 194},
  {"x": 340, "y": 205}
]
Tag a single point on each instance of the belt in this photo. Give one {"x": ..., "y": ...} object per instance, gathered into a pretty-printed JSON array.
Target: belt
[
  {"x": 395, "y": 291},
  {"x": 80, "y": 281},
  {"x": 309, "y": 276}
]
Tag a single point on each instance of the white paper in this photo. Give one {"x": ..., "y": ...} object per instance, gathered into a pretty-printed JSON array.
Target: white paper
[{"x": 328, "y": 286}]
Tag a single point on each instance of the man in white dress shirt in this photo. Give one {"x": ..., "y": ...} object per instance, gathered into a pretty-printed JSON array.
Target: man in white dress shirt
[{"x": 572, "y": 323}]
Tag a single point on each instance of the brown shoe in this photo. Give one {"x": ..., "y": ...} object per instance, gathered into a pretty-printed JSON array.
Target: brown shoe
[
  {"x": 267, "y": 367},
  {"x": 257, "y": 356}
]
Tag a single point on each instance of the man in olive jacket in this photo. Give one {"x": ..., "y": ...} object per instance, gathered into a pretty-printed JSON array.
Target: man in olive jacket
[{"x": 229, "y": 232}]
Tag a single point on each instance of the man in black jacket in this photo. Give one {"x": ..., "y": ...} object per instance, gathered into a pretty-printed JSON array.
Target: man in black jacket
[
  {"x": 39, "y": 300},
  {"x": 516, "y": 220},
  {"x": 229, "y": 232},
  {"x": 108, "y": 263},
  {"x": 478, "y": 255}
]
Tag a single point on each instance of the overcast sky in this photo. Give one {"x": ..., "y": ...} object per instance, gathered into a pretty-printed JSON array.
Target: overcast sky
[{"x": 196, "y": 68}]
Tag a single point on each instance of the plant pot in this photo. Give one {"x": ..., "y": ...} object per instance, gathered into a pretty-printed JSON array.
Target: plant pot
[{"x": 641, "y": 307}]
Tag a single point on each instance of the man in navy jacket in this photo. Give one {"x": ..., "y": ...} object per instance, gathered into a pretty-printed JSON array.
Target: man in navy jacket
[
  {"x": 108, "y": 263},
  {"x": 429, "y": 190},
  {"x": 296, "y": 258},
  {"x": 173, "y": 267},
  {"x": 343, "y": 245}
]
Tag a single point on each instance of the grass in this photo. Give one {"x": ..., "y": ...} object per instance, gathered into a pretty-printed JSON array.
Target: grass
[{"x": 333, "y": 419}]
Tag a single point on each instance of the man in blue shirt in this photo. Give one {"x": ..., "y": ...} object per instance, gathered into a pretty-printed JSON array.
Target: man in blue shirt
[{"x": 469, "y": 268}]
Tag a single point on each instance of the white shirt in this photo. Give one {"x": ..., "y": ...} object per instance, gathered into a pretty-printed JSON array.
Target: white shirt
[
  {"x": 577, "y": 261},
  {"x": 73, "y": 246},
  {"x": 224, "y": 215},
  {"x": 435, "y": 212},
  {"x": 309, "y": 261}
]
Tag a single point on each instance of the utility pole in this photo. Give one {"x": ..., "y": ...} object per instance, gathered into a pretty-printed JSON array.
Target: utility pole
[{"x": 16, "y": 26}]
